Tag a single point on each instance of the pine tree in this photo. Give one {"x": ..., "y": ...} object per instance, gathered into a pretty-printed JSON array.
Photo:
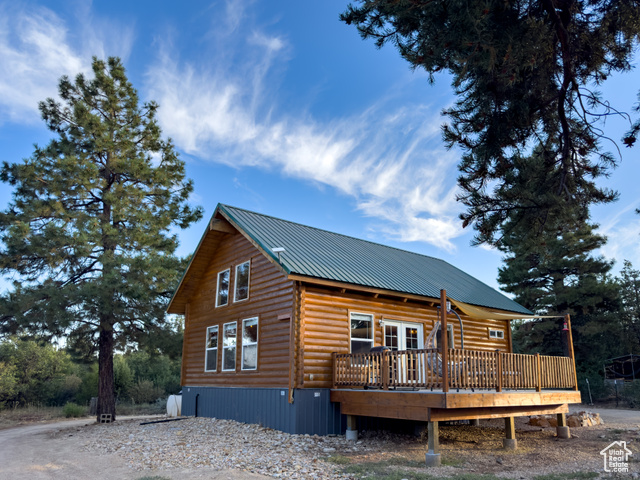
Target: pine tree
[
  {"x": 88, "y": 233},
  {"x": 554, "y": 271},
  {"x": 524, "y": 74},
  {"x": 629, "y": 282}
]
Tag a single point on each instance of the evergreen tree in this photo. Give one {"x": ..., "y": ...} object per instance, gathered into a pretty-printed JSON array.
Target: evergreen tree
[
  {"x": 552, "y": 270},
  {"x": 524, "y": 74},
  {"x": 629, "y": 282},
  {"x": 87, "y": 234}
]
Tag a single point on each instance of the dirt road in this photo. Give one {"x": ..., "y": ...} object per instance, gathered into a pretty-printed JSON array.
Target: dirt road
[{"x": 38, "y": 452}]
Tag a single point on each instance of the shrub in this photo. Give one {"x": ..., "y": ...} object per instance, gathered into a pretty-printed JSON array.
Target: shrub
[
  {"x": 144, "y": 391},
  {"x": 73, "y": 410},
  {"x": 630, "y": 393}
]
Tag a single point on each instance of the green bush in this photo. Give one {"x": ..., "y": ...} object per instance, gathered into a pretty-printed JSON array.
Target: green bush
[
  {"x": 36, "y": 370},
  {"x": 630, "y": 393},
  {"x": 73, "y": 410},
  {"x": 89, "y": 386},
  {"x": 123, "y": 377},
  {"x": 144, "y": 391},
  {"x": 600, "y": 390}
]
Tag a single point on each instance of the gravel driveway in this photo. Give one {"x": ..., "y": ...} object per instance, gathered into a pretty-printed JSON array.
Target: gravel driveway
[{"x": 63, "y": 451}]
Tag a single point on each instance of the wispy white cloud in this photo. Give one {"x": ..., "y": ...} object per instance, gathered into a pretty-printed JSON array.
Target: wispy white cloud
[
  {"x": 623, "y": 236},
  {"x": 36, "y": 49},
  {"x": 389, "y": 159}
]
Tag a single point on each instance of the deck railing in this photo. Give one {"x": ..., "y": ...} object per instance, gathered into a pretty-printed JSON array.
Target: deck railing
[{"x": 467, "y": 369}]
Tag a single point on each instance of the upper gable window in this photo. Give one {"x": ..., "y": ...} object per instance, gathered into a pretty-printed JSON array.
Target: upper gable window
[
  {"x": 241, "y": 291},
  {"x": 222, "y": 291}
]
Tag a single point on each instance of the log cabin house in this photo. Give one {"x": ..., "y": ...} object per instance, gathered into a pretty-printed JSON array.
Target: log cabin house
[{"x": 281, "y": 318}]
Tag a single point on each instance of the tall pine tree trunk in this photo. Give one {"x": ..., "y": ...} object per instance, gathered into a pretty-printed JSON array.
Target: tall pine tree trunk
[{"x": 106, "y": 384}]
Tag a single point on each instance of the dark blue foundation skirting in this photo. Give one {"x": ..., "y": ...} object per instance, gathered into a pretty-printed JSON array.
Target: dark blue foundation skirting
[{"x": 311, "y": 412}]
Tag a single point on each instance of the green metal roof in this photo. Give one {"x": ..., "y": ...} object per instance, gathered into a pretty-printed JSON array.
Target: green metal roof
[{"x": 326, "y": 255}]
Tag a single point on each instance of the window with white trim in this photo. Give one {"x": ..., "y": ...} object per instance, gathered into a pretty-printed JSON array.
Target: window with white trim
[
  {"x": 229, "y": 337},
  {"x": 494, "y": 333},
  {"x": 222, "y": 290},
  {"x": 250, "y": 344},
  {"x": 361, "y": 332},
  {"x": 241, "y": 292},
  {"x": 211, "y": 353}
]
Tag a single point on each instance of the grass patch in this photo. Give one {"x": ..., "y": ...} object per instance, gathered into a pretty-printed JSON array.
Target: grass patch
[
  {"x": 339, "y": 460},
  {"x": 474, "y": 476},
  {"x": 451, "y": 461},
  {"x": 380, "y": 470},
  {"x": 392, "y": 470},
  {"x": 12, "y": 417},
  {"x": 73, "y": 410},
  {"x": 156, "y": 408},
  {"x": 568, "y": 476},
  {"x": 397, "y": 468}
]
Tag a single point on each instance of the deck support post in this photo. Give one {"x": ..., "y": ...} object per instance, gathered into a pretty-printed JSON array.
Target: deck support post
[
  {"x": 352, "y": 428},
  {"x": 567, "y": 319},
  {"x": 432, "y": 457},
  {"x": 509, "y": 442},
  {"x": 562, "y": 429},
  {"x": 474, "y": 422}
]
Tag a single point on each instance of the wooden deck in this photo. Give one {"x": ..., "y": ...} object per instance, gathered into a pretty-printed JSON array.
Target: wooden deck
[{"x": 413, "y": 385}]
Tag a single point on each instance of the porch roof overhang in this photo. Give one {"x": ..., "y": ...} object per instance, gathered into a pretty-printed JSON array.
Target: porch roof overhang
[{"x": 483, "y": 313}]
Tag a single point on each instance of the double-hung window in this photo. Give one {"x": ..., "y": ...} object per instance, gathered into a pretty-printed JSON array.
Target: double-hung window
[
  {"x": 241, "y": 291},
  {"x": 361, "y": 332},
  {"x": 222, "y": 290},
  {"x": 229, "y": 335},
  {"x": 211, "y": 355},
  {"x": 250, "y": 344}
]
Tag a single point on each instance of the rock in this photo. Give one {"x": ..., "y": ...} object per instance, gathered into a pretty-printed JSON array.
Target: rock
[
  {"x": 573, "y": 422},
  {"x": 539, "y": 421}
]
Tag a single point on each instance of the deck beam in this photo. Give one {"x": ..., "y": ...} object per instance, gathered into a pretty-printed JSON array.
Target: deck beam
[{"x": 425, "y": 406}]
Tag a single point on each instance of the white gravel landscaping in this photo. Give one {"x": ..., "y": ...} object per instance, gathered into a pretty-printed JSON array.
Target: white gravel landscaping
[{"x": 218, "y": 444}]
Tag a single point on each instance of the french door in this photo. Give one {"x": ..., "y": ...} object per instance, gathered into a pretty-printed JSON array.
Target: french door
[{"x": 405, "y": 336}]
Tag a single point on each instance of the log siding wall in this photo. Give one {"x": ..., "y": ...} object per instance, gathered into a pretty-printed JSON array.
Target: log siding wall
[
  {"x": 270, "y": 296},
  {"x": 325, "y": 314}
]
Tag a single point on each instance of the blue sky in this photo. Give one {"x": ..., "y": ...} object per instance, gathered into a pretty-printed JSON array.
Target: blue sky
[{"x": 279, "y": 108}]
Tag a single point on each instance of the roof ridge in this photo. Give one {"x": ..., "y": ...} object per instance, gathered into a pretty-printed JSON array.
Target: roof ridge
[{"x": 338, "y": 234}]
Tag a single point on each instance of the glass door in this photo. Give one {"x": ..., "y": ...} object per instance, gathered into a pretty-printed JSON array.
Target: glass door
[{"x": 404, "y": 337}]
